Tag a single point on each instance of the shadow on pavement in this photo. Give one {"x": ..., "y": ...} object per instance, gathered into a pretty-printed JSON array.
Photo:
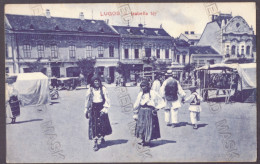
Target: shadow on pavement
[
  {"x": 160, "y": 142},
  {"x": 114, "y": 142},
  {"x": 201, "y": 125},
  {"x": 20, "y": 122},
  {"x": 54, "y": 102},
  {"x": 182, "y": 124}
]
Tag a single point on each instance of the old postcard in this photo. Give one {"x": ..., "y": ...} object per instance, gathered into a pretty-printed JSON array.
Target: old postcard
[{"x": 130, "y": 82}]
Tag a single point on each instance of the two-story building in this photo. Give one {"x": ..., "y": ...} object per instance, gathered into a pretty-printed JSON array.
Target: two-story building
[
  {"x": 60, "y": 43},
  {"x": 191, "y": 37},
  {"x": 230, "y": 36},
  {"x": 139, "y": 42}
]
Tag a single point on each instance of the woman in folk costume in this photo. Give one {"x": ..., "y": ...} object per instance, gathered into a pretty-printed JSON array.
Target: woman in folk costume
[
  {"x": 145, "y": 110},
  {"x": 170, "y": 90},
  {"x": 96, "y": 108},
  {"x": 12, "y": 102}
]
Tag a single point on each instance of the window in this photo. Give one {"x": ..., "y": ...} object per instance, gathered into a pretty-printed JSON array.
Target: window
[
  {"x": 136, "y": 53},
  {"x": 54, "y": 51},
  {"x": 126, "y": 54},
  {"x": 233, "y": 50},
  {"x": 111, "y": 51},
  {"x": 183, "y": 59},
  {"x": 148, "y": 52},
  {"x": 27, "y": 51},
  {"x": 72, "y": 51},
  {"x": 247, "y": 50},
  {"x": 101, "y": 71},
  {"x": 242, "y": 50},
  {"x": 167, "y": 54},
  {"x": 88, "y": 51},
  {"x": 178, "y": 58},
  {"x": 195, "y": 62},
  {"x": 6, "y": 69},
  {"x": 158, "y": 53},
  {"x": 100, "y": 51},
  {"x": 227, "y": 49},
  {"x": 40, "y": 49},
  {"x": 201, "y": 63}
]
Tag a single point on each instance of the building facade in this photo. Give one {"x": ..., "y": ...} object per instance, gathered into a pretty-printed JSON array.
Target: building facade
[
  {"x": 60, "y": 43},
  {"x": 191, "y": 37},
  {"x": 138, "y": 43},
  {"x": 230, "y": 36},
  {"x": 202, "y": 55}
]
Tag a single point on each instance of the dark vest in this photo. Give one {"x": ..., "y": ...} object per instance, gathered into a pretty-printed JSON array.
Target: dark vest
[{"x": 171, "y": 90}]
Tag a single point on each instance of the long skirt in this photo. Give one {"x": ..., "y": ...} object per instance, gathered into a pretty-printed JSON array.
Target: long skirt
[
  {"x": 14, "y": 105},
  {"x": 147, "y": 126},
  {"x": 99, "y": 124}
]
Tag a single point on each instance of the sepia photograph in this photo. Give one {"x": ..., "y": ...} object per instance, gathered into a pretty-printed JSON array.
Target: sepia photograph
[{"x": 130, "y": 82}]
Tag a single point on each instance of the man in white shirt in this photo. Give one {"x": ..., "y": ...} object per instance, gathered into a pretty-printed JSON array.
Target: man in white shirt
[{"x": 170, "y": 90}]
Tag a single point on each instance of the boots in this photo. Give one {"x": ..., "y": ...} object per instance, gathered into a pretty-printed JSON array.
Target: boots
[{"x": 95, "y": 148}]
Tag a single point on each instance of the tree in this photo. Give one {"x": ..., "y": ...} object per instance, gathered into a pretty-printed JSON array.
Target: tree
[
  {"x": 123, "y": 69},
  {"x": 152, "y": 62},
  {"x": 36, "y": 66},
  {"x": 87, "y": 67}
]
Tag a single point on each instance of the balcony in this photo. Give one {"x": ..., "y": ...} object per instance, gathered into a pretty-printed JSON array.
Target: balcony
[{"x": 132, "y": 61}]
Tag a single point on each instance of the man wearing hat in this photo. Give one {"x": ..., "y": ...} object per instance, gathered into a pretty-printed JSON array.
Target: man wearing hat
[{"x": 170, "y": 91}]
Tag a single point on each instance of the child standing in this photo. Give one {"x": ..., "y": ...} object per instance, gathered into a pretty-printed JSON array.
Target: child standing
[{"x": 195, "y": 107}]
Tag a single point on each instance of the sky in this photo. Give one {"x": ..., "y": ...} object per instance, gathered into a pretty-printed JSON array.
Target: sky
[{"x": 175, "y": 18}]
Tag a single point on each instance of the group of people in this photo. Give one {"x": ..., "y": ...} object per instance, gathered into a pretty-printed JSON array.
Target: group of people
[{"x": 150, "y": 99}]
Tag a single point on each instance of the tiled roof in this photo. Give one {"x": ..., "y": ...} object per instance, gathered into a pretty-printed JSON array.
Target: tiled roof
[
  {"x": 192, "y": 36},
  {"x": 202, "y": 50},
  {"x": 42, "y": 23},
  {"x": 143, "y": 31},
  {"x": 181, "y": 42}
]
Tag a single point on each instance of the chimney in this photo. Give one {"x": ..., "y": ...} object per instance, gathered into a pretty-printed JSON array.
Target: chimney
[
  {"x": 192, "y": 32},
  {"x": 212, "y": 18},
  {"x": 140, "y": 25},
  {"x": 186, "y": 32},
  {"x": 81, "y": 16},
  {"x": 48, "y": 13}
]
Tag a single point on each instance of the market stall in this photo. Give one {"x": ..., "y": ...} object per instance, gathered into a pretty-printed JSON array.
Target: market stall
[
  {"x": 33, "y": 88},
  {"x": 226, "y": 80}
]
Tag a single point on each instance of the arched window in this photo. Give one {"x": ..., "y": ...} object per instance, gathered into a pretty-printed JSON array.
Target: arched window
[
  {"x": 88, "y": 51},
  {"x": 242, "y": 50},
  {"x": 227, "y": 50},
  {"x": 100, "y": 51},
  {"x": 233, "y": 50},
  {"x": 248, "y": 50}
]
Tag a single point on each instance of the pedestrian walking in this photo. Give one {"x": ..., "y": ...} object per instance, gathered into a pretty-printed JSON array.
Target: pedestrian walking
[
  {"x": 96, "y": 110},
  {"x": 170, "y": 91},
  {"x": 12, "y": 101},
  {"x": 147, "y": 104},
  {"x": 194, "y": 107},
  {"x": 156, "y": 85}
]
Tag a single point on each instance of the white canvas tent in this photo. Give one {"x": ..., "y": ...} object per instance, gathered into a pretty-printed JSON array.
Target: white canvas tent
[
  {"x": 247, "y": 73},
  {"x": 33, "y": 88}
]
